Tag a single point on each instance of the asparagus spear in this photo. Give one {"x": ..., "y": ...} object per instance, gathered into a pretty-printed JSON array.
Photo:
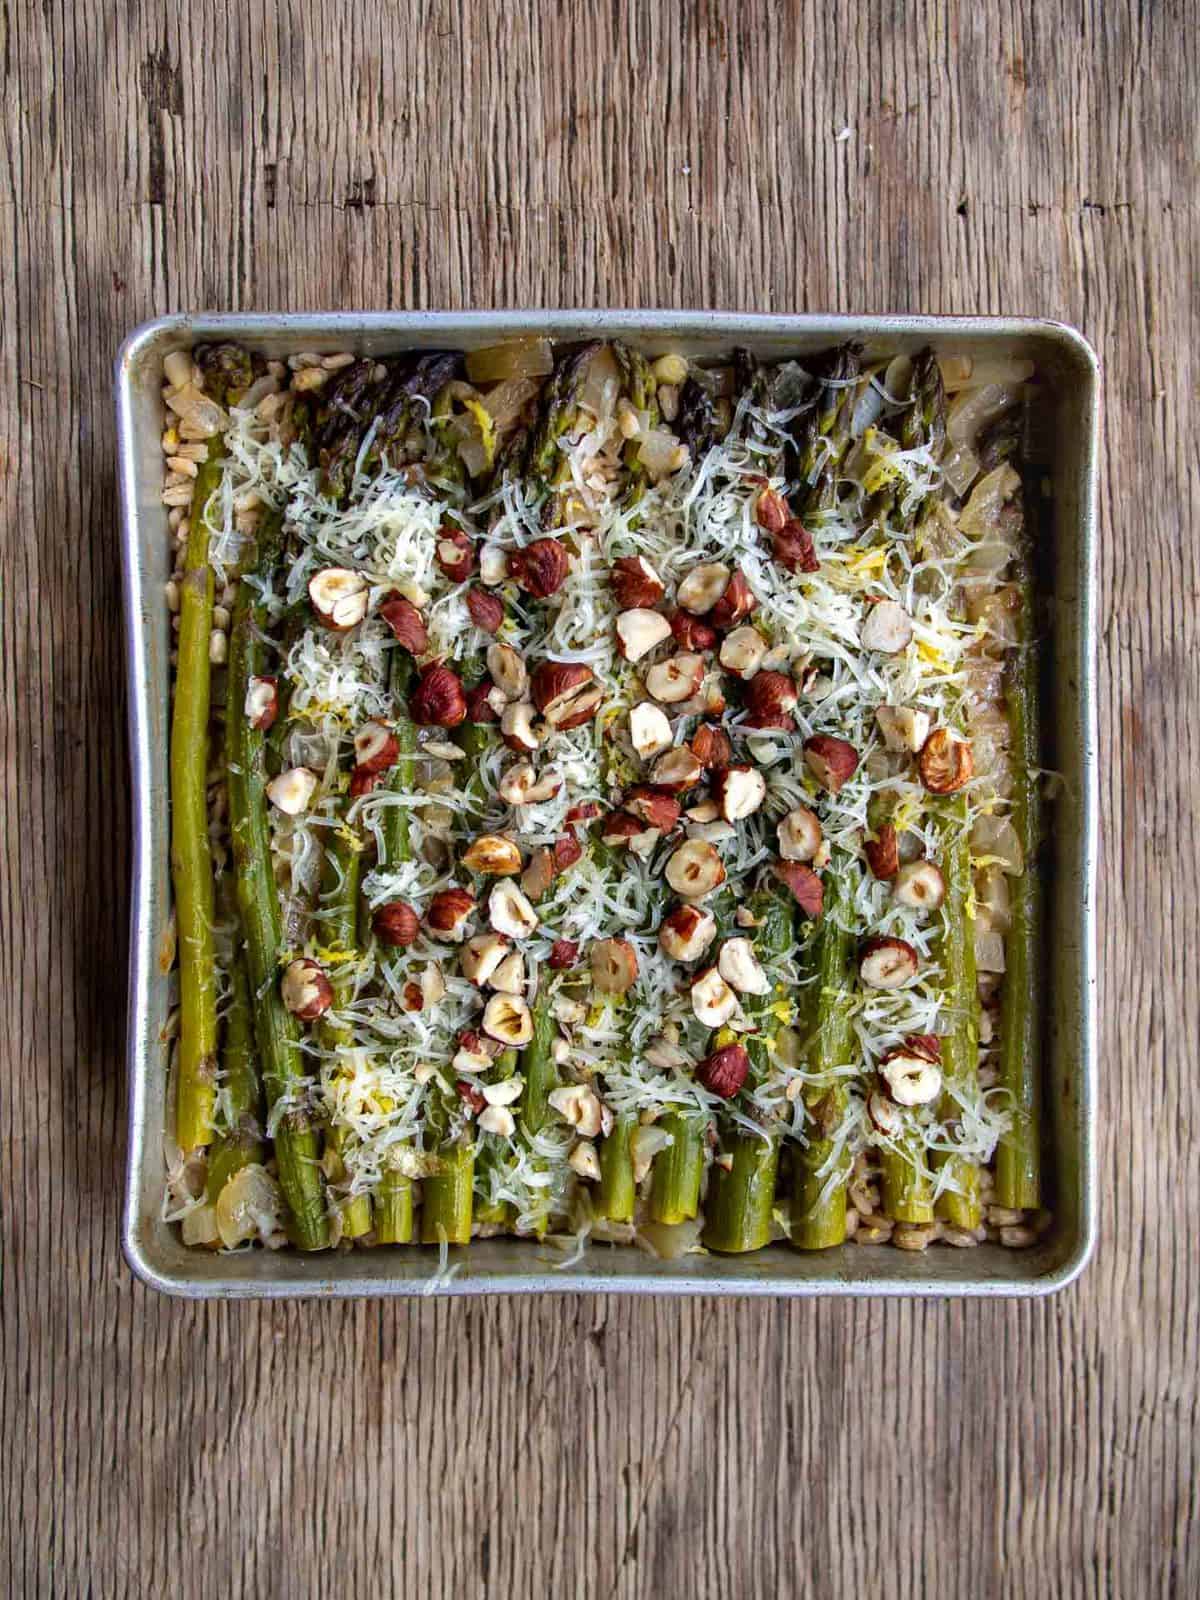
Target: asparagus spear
[
  {"x": 342, "y": 872},
  {"x": 191, "y": 856},
  {"x": 616, "y": 1194},
  {"x": 675, "y": 1181},
  {"x": 925, "y": 420},
  {"x": 559, "y": 404},
  {"x": 448, "y": 1192},
  {"x": 240, "y": 1142},
  {"x": 740, "y": 1199},
  {"x": 1018, "y": 1160},
  {"x": 297, "y": 1150},
  {"x": 394, "y": 1204},
  {"x": 960, "y": 1047},
  {"x": 820, "y": 1170},
  {"x": 825, "y": 431}
]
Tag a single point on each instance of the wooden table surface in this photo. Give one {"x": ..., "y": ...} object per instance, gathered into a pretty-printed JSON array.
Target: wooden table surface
[{"x": 1007, "y": 157}]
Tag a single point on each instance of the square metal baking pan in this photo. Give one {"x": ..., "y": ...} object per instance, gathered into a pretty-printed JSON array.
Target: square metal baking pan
[{"x": 1067, "y": 368}]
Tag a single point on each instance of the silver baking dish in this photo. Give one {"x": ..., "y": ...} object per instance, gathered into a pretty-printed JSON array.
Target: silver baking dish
[{"x": 502, "y": 1266}]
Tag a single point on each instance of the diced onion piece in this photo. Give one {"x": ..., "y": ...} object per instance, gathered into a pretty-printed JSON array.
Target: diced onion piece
[
  {"x": 249, "y": 1207},
  {"x": 656, "y": 451},
  {"x": 973, "y": 409},
  {"x": 960, "y": 467},
  {"x": 960, "y": 372},
  {"x": 995, "y": 839},
  {"x": 505, "y": 403},
  {"x": 199, "y": 1226},
  {"x": 516, "y": 358},
  {"x": 602, "y": 384},
  {"x": 981, "y": 514},
  {"x": 670, "y": 1240},
  {"x": 993, "y": 907}
]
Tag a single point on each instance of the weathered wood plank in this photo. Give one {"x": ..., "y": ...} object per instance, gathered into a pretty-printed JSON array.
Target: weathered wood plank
[{"x": 1010, "y": 158}]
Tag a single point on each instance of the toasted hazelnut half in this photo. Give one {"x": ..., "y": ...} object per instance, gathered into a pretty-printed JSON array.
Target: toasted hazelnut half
[
  {"x": 735, "y": 604},
  {"x": 884, "y": 1114},
  {"x": 742, "y": 651},
  {"x": 498, "y": 1120},
  {"x": 619, "y": 827},
  {"x": 418, "y": 994},
  {"x": 691, "y": 633},
  {"x": 584, "y": 1161},
  {"x": 521, "y": 786},
  {"x": 482, "y": 703},
  {"x": 739, "y": 791},
  {"x": 507, "y": 671},
  {"x": 712, "y": 747},
  {"x": 724, "y": 1071},
  {"x": 712, "y": 832},
  {"x": 887, "y": 628},
  {"x": 487, "y": 610},
  {"x": 305, "y": 989},
  {"x": 793, "y": 548},
  {"x": 438, "y": 700},
  {"x": 507, "y": 1018},
  {"x": 482, "y": 955},
  {"x": 913, "y": 1075},
  {"x": 769, "y": 697},
  {"x": 455, "y": 553},
  {"x": 564, "y": 953},
  {"x": 396, "y": 924},
  {"x": 675, "y": 679},
  {"x": 883, "y": 852},
  {"x": 655, "y": 810},
  {"x": 565, "y": 693},
  {"x": 472, "y": 1055},
  {"x": 703, "y": 587},
  {"x": 687, "y": 933},
  {"x": 493, "y": 855},
  {"x": 362, "y": 783},
  {"x": 493, "y": 565},
  {"x": 887, "y": 963},
  {"x": 292, "y": 790},
  {"x": 635, "y": 583},
  {"x": 448, "y": 913},
  {"x": 832, "y": 762},
  {"x": 567, "y": 851},
  {"x": 509, "y": 976},
  {"x": 695, "y": 869},
  {"x": 580, "y": 1106},
  {"x": 517, "y": 727},
  {"x": 406, "y": 622},
  {"x": 703, "y": 811},
  {"x": 945, "y": 763},
  {"x": 649, "y": 730},
  {"x": 678, "y": 770},
  {"x": 540, "y": 568},
  {"x": 471, "y": 1096},
  {"x": 713, "y": 1001},
  {"x": 903, "y": 728},
  {"x": 262, "y": 703},
  {"x": 805, "y": 886},
  {"x": 510, "y": 912},
  {"x": 375, "y": 747},
  {"x": 639, "y": 631},
  {"x": 799, "y": 835},
  {"x": 920, "y": 884},
  {"x": 339, "y": 597},
  {"x": 539, "y": 874},
  {"x": 741, "y": 968},
  {"x": 771, "y": 510},
  {"x": 614, "y": 965}
]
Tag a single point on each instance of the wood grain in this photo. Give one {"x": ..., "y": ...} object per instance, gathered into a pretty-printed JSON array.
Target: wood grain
[{"x": 1013, "y": 157}]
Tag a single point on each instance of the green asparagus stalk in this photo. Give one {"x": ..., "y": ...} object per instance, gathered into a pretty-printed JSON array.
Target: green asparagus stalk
[
  {"x": 394, "y": 1204},
  {"x": 740, "y": 1199},
  {"x": 825, "y": 435},
  {"x": 343, "y": 874},
  {"x": 1018, "y": 1160},
  {"x": 191, "y": 856},
  {"x": 925, "y": 420},
  {"x": 960, "y": 1046},
  {"x": 675, "y": 1180},
  {"x": 239, "y": 1143},
  {"x": 616, "y": 1193},
  {"x": 448, "y": 1193},
  {"x": 297, "y": 1145},
  {"x": 819, "y": 1196}
]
